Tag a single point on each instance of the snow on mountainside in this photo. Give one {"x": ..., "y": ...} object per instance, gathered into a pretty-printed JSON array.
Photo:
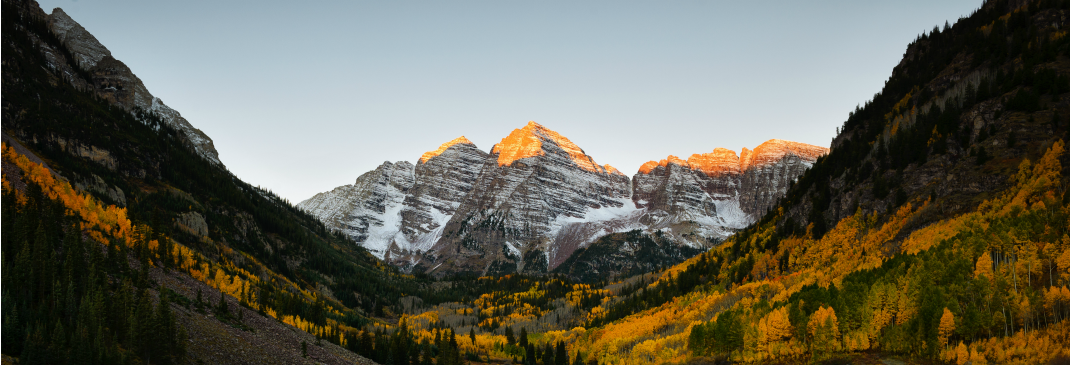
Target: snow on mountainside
[
  {"x": 399, "y": 209},
  {"x": 369, "y": 210},
  {"x": 114, "y": 81},
  {"x": 533, "y": 181},
  {"x": 537, "y": 197},
  {"x": 711, "y": 195}
]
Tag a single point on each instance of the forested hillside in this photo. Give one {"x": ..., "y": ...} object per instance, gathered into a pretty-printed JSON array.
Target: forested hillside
[
  {"x": 108, "y": 210},
  {"x": 936, "y": 228}
]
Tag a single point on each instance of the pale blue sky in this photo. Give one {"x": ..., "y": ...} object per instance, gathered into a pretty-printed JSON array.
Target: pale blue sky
[{"x": 301, "y": 97}]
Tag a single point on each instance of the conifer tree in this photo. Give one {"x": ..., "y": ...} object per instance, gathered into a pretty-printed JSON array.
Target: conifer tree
[
  {"x": 561, "y": 357},
  {"x": 222, "y": 307},
  {"x": 548, "y": 353}
]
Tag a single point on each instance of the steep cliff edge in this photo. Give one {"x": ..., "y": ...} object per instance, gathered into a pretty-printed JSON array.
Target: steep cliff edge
[
  {"x": 114, "y": 81},
  {"x": 707, "y": 197}
]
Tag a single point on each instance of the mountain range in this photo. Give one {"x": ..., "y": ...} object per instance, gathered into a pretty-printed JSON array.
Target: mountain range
[
  {"x": 936, "y": 229},
  {"x": 537, "y": 197}
]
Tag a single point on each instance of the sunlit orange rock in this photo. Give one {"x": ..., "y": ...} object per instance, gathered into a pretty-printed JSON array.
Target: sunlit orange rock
[
  {"x": 429, "y": 154},
  {"x": 528, "y": 142}
]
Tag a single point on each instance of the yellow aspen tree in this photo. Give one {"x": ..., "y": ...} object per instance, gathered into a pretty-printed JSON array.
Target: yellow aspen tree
[
  {"x": 977, "y": 358},
  {"x": 825, "y": 329},
  {"x": 962, "y": 354},
  {"x": 1064, "y": 264},
  {"x": 984, "y": 266},
  {"x": 947, "y": 327}
]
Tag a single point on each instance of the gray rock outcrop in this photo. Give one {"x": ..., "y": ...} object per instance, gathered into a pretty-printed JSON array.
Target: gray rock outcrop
[{"x": 114, "y": 81}]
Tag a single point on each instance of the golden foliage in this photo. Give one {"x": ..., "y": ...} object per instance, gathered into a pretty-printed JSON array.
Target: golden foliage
[{"x": 947, "y": 327}]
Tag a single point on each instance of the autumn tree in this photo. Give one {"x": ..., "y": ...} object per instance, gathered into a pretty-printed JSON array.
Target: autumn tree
[
  {"x": 947, "y": 327},
  {"x": 824, "y": 328}
]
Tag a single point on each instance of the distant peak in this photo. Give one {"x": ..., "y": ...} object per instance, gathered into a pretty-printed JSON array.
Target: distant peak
[
  {"x": 775, "y": 149},
  {"x": 429, "y": 154},
  {"x": 528, "y": 142},
  {"x": 672, "y": 159},
  {"x": 723, "y": 160}
]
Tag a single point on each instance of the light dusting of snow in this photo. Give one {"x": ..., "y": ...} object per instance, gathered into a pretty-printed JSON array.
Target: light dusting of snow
[{"x": 512, "y": 249}]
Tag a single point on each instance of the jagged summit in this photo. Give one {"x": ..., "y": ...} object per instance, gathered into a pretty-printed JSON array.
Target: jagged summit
[
  {"x": 613, "y": 170},
  {"x": 724, "y": 161},
  {"x": 84, "y": 46},
  {"x": 775, "y": 149},
  {"x": 537, "y": 197},
  {"x": 533, "y": 140},
  {"x": 115, "y": 81},
  {"x": 430, "y": 154}
]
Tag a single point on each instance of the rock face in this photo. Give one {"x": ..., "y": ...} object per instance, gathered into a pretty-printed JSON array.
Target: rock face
[
  {"x": 532, "y": 185},
  {"x": 537, "y": 197},
  {"x": 113, "y": 80},
  {"x": 444, "y": 177},
  {"x": 770, "y": 169},
  {"x": 711, "y": 195},
  {"x": 369, "y": 210},
  {"x": 399, "y": 210}
]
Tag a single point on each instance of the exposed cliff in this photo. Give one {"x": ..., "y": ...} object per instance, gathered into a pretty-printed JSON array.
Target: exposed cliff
[
  {"x": 707, "y": 197},
  {"x": 535, "y": 183},
  {"x": 114, "y": 81}
]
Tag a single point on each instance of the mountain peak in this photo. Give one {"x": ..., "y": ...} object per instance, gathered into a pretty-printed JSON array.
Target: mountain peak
[
  {"x": 528, "y": 142},
  {"x": 775, "y": 149},
  {"x": 723, "y": 160},
  {"x": 429, "y": 154}
]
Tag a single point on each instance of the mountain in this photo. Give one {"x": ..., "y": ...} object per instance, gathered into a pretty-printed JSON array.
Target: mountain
[
  {"x": 695, "y": 203},
  {"x": 915, "y": 238},
  {"x": 113, "y": 80},
  {"x": 534, "y": 183},
  {"x": 398, "y": 209},
  {"x": 713, "y": 194},
  {"x": 537, "y": 197}
]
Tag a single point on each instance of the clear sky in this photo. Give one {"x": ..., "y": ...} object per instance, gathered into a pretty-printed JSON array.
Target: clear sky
[{"x": 301, "y": 97}]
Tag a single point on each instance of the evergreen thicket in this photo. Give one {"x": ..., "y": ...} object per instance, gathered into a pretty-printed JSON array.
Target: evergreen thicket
[{"x": 68, "y": 301}]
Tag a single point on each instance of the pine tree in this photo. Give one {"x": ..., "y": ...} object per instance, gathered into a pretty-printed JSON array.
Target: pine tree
[
  {"x": 548, "y": 354},
  {"x": 366, "y": 346},
  {"x": 166, "y": 336},
  {"x": 34, "y": 352},
  {"x": 222, "y": 309},
  {"x": 561, "y": 357},
  {"x": 42, "y": 263},
  {"x": 426, "y": 357},
  {"x": 58, "y": 347},
  {"x": 529, "y": 353},
  {"x": 141, "y": 326}
]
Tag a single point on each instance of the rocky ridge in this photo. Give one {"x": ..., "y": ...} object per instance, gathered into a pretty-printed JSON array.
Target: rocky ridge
[
  {"x": 398, "y": 210},
  {"x": 114, "y": 81},
  {"x": 537, "y": 197},
  {"x": 534, "y": 183}
]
